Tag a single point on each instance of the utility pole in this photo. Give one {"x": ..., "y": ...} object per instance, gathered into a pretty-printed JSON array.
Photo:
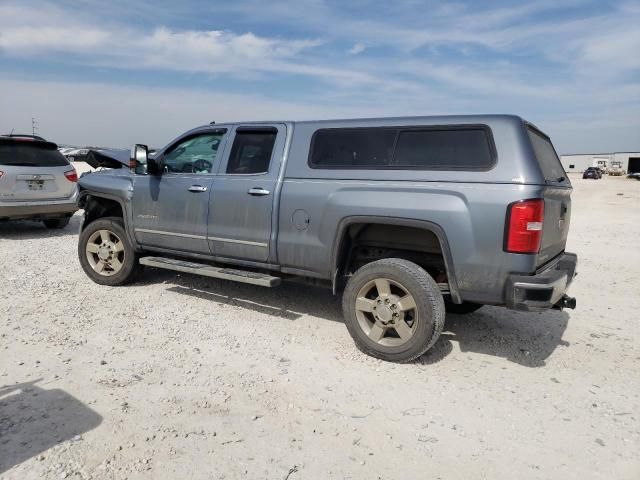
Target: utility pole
[{"x": 34, "y": 126}]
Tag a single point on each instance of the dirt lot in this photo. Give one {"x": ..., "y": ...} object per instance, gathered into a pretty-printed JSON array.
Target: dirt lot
[{"x": 184, "y": 377}]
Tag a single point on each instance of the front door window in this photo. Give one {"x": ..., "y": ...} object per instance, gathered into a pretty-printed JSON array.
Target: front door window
[{"x": 193, "y": 155}]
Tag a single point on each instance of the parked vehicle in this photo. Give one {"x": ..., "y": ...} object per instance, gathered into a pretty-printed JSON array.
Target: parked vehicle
[
  {"x": 65, "y": 150},
  {"x": 407, "y": 217},
  {"x": 592, "y": 172},
  {"x": 77, "y": 154},
  {"x": 615, "y": 169},
  {"x": 602, "y": 164},
  {"x": 36, "y": 181}
]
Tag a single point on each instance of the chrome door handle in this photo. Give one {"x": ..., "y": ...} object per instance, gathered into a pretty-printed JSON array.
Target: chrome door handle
[
  {"x": 197, "y": 188},
  {"x": 258, "y": 191}
]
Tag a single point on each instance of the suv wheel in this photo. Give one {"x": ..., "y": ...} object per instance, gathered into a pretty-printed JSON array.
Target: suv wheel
[
  {"x": 105, "y": 253},
  {"x": 56, "y": 223},
  {"x": 393, "y": 309}
]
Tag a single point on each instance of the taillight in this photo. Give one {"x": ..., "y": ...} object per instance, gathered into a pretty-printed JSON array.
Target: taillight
[
  {"x": 524, "y": 226},
  {"x": 71, "y": 175}
]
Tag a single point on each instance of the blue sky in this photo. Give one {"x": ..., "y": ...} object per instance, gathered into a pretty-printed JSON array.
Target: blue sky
[{"x": 117, "y": 72}]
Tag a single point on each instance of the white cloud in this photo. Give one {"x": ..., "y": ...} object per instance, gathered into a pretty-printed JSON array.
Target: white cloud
[
  {"x": 20, "y": 40},
  {"x": 118, "y": 116},
  {"x": 210, "y": 51},
  {"x": 357, "y": 48},
  {"x": 567, "y": 71}
]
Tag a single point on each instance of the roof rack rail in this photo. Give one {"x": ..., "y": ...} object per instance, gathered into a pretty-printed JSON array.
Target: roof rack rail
[{"x": 24, "y": 135}]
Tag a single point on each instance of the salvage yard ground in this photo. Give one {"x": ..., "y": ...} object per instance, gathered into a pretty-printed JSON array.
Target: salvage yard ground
[{"x": 184, "y": 377}]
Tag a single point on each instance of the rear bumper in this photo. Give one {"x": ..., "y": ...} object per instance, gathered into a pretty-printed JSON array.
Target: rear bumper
[
  {"x": 543, "y": 290},
  {"x": 38, "y": 209}
]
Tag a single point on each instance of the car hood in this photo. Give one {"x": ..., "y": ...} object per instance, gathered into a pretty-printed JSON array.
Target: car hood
[{"x": 108, "y": 158}]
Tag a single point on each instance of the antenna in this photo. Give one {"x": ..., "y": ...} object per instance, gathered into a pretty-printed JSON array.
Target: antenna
[{"x": 34, "y": 126}]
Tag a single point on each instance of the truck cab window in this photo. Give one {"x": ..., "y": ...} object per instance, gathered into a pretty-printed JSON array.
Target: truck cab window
[
  {"x": 251, "y": 151},
  {"x": 193, "y": 155}
]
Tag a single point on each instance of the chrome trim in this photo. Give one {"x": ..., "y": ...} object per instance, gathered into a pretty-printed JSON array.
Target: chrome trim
[
  {"x": 200, "y": 237},
  {"x": 160, "y": 232},
  {"x": 243, "y": 242}
]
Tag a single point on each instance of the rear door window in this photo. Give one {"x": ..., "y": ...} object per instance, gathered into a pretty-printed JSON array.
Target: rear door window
[
  {"x": 251, "y": 151},
  {"x": 547, "y": 157},
  {"x": 30, "y": 154}
]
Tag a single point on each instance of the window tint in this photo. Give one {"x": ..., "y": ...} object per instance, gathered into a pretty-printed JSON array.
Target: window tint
[
  {"x": 30, "y": 154},
  {"x": 353, "y": 147},
  {"x": 547, "y": 157},
  {"x": 434, "y": 148},
  {"x": 193, "y": 155},
  {"x": 463, "y": 148},
  {"x": 251, "y": 151}
]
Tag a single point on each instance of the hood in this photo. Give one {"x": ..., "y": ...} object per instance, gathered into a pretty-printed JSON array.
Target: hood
[{"x": 108, "y": 158}]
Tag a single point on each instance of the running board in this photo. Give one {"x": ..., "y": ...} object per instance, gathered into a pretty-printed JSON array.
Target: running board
[{"x": 243, "y": 276}]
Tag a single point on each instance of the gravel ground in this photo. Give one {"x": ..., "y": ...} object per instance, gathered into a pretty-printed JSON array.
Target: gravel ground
[{"x": 178, "y": 376}]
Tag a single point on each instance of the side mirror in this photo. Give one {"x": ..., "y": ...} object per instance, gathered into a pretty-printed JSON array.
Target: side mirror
[{"x": 140, "y": 159}]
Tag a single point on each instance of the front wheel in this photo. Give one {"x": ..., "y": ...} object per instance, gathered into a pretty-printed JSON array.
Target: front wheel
[
  {"x": 105, "y": 253},
  {"x": 393, "y": 310}
]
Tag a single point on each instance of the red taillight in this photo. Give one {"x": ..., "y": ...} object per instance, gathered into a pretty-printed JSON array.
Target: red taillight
[
  {"x": 71, "y": 175},
  {"x": 524, "y": 226}
]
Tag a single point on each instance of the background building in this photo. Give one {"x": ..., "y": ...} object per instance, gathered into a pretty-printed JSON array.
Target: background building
[{"x": 578, "y": 163}]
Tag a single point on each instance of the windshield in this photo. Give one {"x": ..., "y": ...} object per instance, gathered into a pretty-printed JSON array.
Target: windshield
[{"x": 31, "y": 154}]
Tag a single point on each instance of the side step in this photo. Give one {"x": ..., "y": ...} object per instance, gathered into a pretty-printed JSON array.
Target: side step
[{"x": 243, "y": 276}]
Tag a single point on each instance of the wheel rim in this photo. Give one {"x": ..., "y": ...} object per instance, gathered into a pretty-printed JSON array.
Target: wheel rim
[
  {"x": 386, "y": 312},
  {"x": 105, "y": 252}
]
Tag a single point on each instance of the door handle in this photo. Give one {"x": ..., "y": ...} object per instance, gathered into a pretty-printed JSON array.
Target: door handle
[
  {"x": 258, "y": 191},
  {"x": 197, "y": 188}
]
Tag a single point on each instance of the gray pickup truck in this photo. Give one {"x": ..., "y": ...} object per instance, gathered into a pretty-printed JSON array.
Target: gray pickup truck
[{"x": 409, "y": 217}]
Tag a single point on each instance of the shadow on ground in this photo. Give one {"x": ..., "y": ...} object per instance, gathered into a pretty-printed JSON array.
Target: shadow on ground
[
  {"x": 524, "y": 338},
  {"x": 521, "y": 337},
  {"x": 289, "y": 301},
  {"x": 32, "y": 420},
  {"x": 30, "y": 229}
]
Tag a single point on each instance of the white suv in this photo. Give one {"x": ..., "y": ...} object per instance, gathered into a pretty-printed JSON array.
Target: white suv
[{"x": 36, "y": 181}]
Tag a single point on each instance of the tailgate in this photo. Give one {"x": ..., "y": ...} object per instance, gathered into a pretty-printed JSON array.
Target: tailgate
[
  {"x": 35, "y": 183},
  {"x": 556, "y": 195},
  {"x": 557, "y": 214}
]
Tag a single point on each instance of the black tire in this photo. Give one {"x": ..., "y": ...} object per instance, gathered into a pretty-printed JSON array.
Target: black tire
[
  {"x": 429, "y": 309},
  {"x": 461, "y": 308},
  {"x": 130, "y": 267},
  {"x": 56, "y": 223}
]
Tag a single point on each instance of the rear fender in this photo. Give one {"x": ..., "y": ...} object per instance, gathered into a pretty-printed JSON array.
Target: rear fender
[{"x": 421, "y": 224}]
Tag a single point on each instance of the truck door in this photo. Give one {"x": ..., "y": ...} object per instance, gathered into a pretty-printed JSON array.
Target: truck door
[
  {"x": 171, "y": 210},
  {"x": 243, "y": 193}
]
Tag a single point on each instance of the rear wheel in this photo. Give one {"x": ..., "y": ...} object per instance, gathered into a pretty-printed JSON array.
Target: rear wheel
[
  {"x": 461, "y": 308},
  {"x": 56, "y": 223},
  {"x": 393, "y": 310},
  {"x": 105, "y": 253}
]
